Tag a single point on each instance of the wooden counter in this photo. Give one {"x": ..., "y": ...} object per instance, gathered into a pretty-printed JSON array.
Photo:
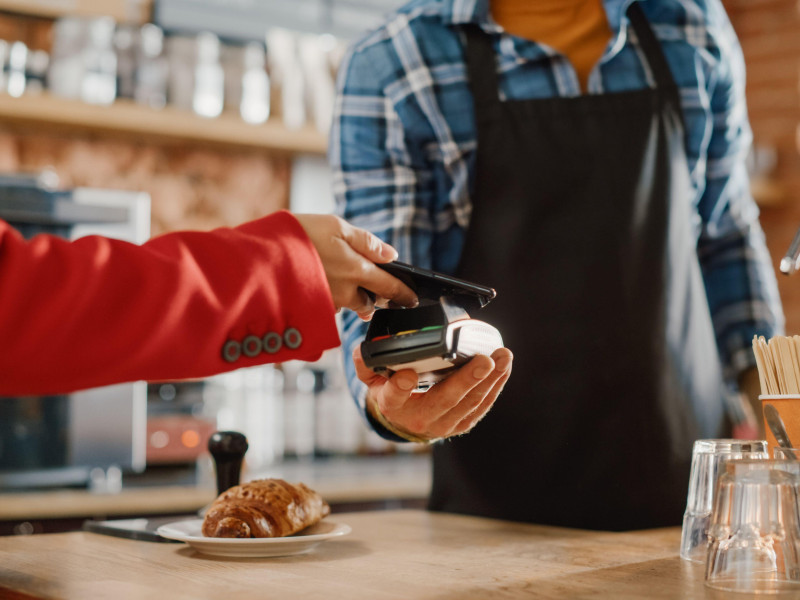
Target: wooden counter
[
  {"x": 340, "y": 481},
  {"x": 409, "y": 555},
  {"x": 179, "y": 499}
]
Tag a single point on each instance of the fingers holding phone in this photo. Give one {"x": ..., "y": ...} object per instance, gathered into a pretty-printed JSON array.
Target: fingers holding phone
[{"x": 348, "y": 255}]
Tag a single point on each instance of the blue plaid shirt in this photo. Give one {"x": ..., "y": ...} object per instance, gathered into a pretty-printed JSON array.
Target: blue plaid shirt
[{"x": 402, "y": 146}]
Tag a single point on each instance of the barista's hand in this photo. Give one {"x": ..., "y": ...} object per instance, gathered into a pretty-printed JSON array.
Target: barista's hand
[
  {"x": 349, "y": 255},
  {"x": 451, "y": 407}
]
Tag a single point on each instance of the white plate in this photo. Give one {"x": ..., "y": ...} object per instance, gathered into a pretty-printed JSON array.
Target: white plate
[{"x": 190, "y": 531}]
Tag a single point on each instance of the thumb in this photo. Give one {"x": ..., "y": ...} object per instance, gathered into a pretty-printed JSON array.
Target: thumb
[{"x": 368, "y": 245}]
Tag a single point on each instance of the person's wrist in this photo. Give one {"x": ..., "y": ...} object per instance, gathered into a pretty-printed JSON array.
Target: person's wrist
[{"x": 375, "y": 413}]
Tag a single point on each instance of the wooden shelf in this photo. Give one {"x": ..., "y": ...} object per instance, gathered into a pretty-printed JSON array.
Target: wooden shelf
[
  {"x": 124, "y": 11},
  {"x": 168, "y": 125}
]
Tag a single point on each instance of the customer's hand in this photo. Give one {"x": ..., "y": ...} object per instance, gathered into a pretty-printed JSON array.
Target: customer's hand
[
  {"x": 451, "y": 407},
  {"x": 349, "y": 255}
]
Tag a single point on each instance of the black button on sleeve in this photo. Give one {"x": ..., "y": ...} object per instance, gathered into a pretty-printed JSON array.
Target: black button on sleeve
[
  {"x": 272, "y": 342},
  {"x": 251, "y": 346},
  {"x": 292, "y": 338},
  {"x": 231, "y": 351}
]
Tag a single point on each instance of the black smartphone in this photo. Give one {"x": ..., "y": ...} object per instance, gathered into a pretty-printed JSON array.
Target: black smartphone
[
  {"x": 436, "y": 337},
  {"x": 431, "y": 285}
]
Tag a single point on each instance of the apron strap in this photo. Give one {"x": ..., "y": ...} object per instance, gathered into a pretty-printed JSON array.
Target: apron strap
[
  {"x": 651, "y": 47},
  {"x": 481, "y": 59},
  {"x": 481, "y": 62}
]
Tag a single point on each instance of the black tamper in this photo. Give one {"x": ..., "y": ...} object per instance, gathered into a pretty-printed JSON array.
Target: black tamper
[{"x": 228, "y": 449}]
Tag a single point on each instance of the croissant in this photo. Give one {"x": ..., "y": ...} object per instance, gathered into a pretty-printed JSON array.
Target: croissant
[{"x": 264, "y": 508}]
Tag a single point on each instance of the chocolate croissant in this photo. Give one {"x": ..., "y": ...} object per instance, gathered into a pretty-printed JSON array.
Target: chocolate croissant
[{"x": 264, "y": 508}]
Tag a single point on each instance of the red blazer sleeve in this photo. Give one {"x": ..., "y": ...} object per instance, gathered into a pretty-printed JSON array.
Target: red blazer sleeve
[{"x": 97, "y": 311}]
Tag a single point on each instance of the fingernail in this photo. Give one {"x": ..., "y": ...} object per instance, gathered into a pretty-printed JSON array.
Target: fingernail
[
  {"x": 503, "y": 364},
  {"x": 388, "y": 252},
  {"x": 481, "y": 372},
  {"x": 404, "y": 383}
]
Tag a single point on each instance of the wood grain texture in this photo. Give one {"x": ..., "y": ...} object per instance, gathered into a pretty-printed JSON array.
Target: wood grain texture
[{"x": 390, "y": 555}]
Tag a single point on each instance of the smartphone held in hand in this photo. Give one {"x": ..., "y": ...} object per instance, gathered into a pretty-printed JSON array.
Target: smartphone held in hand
[{"x": 437, "y": 336}]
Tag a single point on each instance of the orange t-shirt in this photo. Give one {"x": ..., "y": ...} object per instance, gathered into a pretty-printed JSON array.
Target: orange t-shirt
[{"x": 576, "y": 28}]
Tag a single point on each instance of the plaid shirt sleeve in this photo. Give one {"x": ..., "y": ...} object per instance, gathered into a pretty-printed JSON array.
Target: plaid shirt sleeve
[
  {"x": 379, "y": 184},
  {"x": 737, "y": 268}
]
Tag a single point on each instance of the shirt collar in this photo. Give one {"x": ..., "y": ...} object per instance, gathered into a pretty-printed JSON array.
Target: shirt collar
[{"x": 460, "y": 12}]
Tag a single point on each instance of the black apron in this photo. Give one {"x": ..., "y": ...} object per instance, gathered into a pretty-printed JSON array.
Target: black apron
[{"x": 582, "y": 221}]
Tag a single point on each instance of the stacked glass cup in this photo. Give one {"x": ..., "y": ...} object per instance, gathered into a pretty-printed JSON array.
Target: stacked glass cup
[{"x": 742, "y": 516}]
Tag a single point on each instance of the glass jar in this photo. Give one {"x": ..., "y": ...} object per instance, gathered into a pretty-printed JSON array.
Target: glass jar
[{"x": 152, "y": 68}]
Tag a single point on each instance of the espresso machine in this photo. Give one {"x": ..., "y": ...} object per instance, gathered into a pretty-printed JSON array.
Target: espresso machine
[{"x": 87, "y": 438}]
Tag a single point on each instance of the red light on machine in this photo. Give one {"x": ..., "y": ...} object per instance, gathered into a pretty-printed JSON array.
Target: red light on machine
[
  {"x": 177, "y": 439},
  {"x": 190, "y": 438}
]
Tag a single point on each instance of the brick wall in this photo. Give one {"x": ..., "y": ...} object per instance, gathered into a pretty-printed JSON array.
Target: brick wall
[
  {"x": 191, "y": 187},
  {"x": 769, "y": 31}
]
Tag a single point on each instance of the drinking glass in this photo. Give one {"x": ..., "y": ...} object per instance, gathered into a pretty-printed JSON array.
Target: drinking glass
[
  {"x": 788, "y": 454},
  {"x": 707, "y": 458},
  {"x": 754, "y": 533}
]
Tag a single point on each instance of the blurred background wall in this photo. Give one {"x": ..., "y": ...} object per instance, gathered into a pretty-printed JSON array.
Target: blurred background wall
[
  {"x": 769, "y": 31},
  {"x": 200, "y": 183}
]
